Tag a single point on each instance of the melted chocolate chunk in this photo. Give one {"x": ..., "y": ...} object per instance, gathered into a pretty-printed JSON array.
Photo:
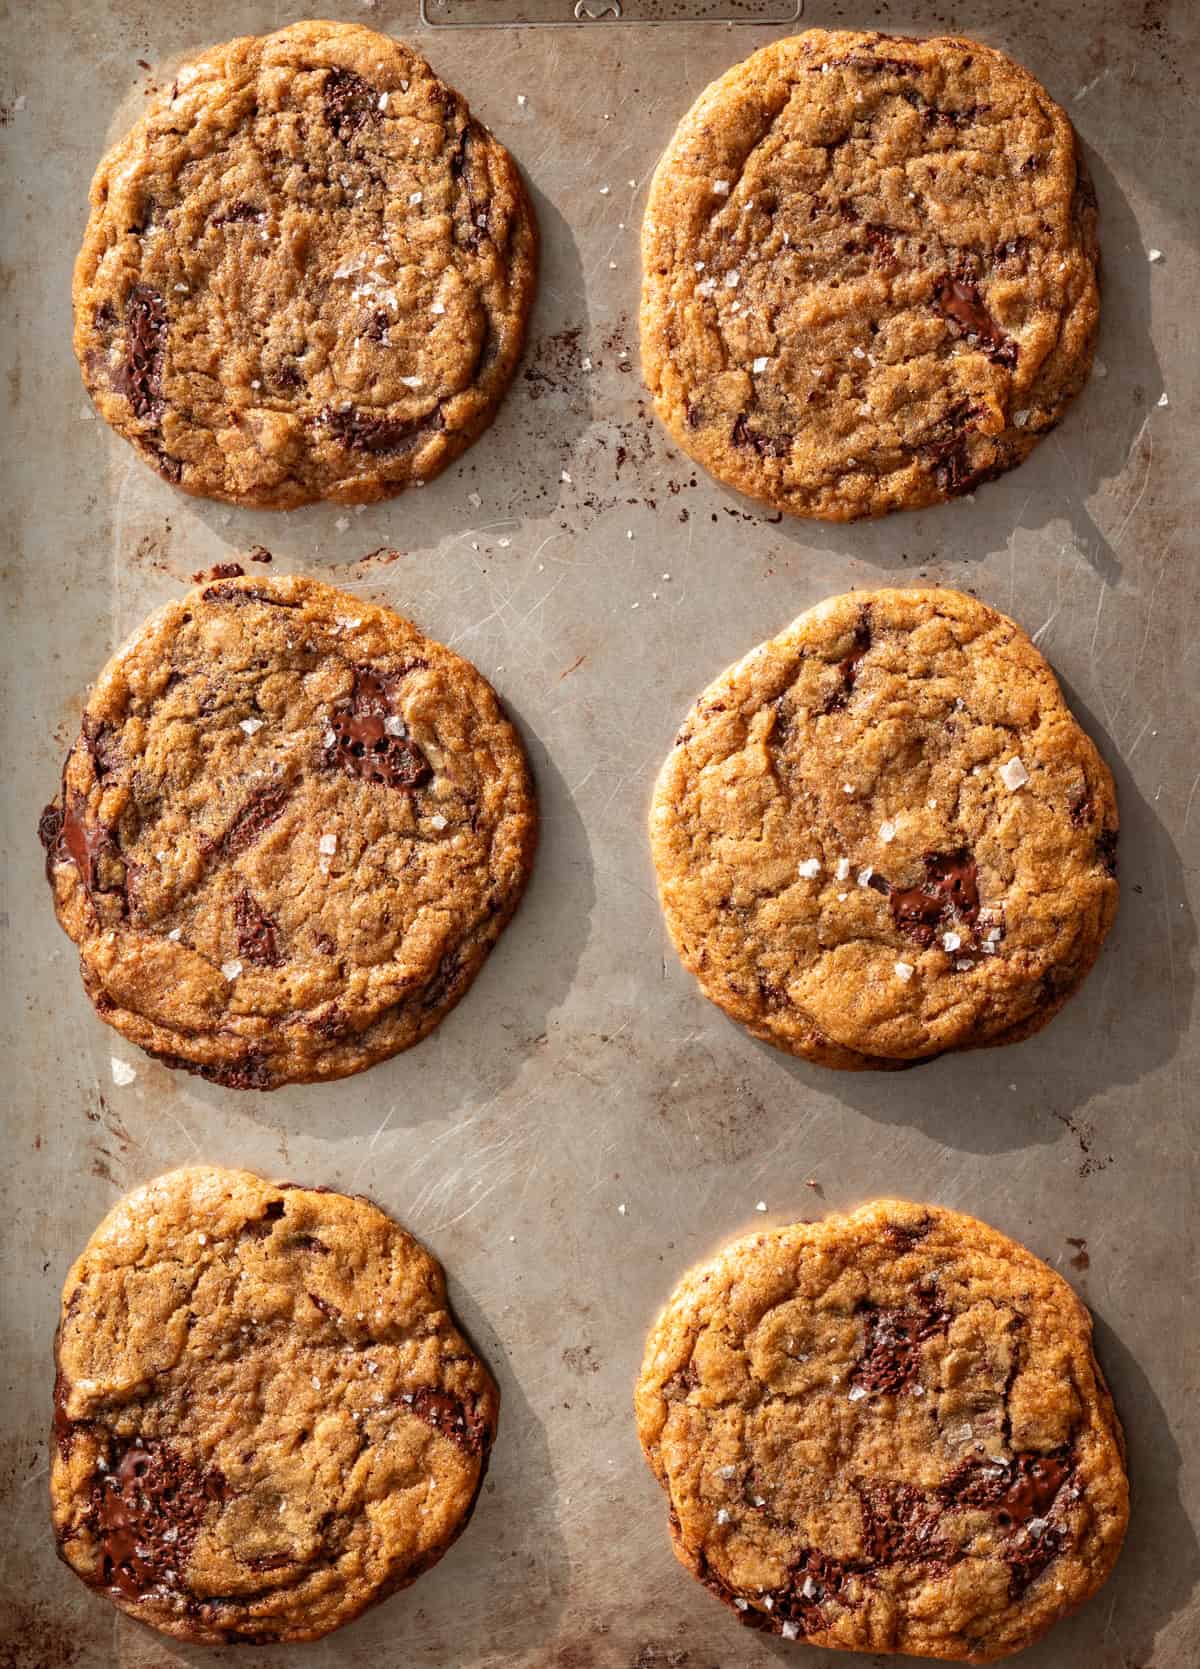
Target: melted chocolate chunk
[
  {"x": 869, "y": 62},
  {"x": 98, "y": 739},
  {"x": 236, "y": 213},
  {"x": 1023, "y": 1489},
  {"x": 812, "y": 1580},
  {"x": 49, "y": 829},
  {"x": 140, "y": 377},
  {"x": 220, "y": 571},
  {"x": 891, "y": 1353},
  {"x": 461, "y": 1423},
  {"x": 1028, "y": 1557},
  {"x": 253, "y": 818},
  {"x": 1106, "y": 849},
  {"x": 764, "y": 445},
  {"x": 882, "y": 242},
  {"x": 240, "y": 595},
  {"x": 903, "y": 1237},
  {"x": 257, "y": 934},
  {"x": 471, "y": 206},
  {"x": 349, "y": 102},
  {"x": 71, "y": 837},
  {"x": 258, "y": 1228},
  {"x": 171, "y": 469},
  {"x": 364, "y": 747},
  {"x": 360, "y": 432},
  {"x": 310, "y": 1243},
  {"x": 64, "y": 1426},
  {"x": 951, "y": 886},
  {"x": 328, "y": 1310},
  {"x": 848, "y": 665},
  {"x": 900, "y": 1525},
  {"x": 443, "y": 981},
  {"x": 377, "y": 327},
  {"x": 962, "y": 306},
  {"x": 148, "y": 1510},
  {"x": 251, "y": 1072}
]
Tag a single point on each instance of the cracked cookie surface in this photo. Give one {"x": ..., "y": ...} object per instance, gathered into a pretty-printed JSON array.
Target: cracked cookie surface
[
  {"x": 882, "y": 834},
  {"x": 288, "y": 834},
  {"x": 869, "y": 272},
  {"x": 306, "y": 274},
  {"x": 265, "y": 1417},
  {"x": 886, "y": 1432}
]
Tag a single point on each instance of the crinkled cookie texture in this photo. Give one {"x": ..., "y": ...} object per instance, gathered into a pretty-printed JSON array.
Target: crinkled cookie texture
[
  {"x": 306, "y": 274},
  {"x": 265, "y": 1416},
  {"x": 882, "y": 835},
  {"x": 886, "y": 1432},
  {"x": 869, "y": 272},
  {"x": 288, "y": 834}
]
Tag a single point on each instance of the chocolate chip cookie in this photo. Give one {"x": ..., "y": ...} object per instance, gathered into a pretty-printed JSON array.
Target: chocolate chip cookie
[
  {"x": 869, "y": 272},
  {"x": 882, "y": 835},
  {"x": 288, "y": 834},
  {"x": 886, "y": 1432},
  {"x": 265, "y": 1418},
  {"x": 306, "y": 274}
]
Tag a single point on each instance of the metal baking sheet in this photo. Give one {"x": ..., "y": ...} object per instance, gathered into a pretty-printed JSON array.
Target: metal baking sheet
[{"x": 584, "y": 1125}]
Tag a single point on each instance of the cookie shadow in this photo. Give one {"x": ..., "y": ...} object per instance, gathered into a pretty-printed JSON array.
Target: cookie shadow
[
  {"x": 509, "y": 478},
  {"x": 1125, "y": 1022},
  {"x": 467, "y": 1069},
  {"x": 1090, "y": 448}
]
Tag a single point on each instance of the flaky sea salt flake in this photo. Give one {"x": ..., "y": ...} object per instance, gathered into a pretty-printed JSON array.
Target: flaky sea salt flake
[
  {"x": 122, "y": 1072},
  {"x": 1013, "y": 774},
  {"x": 904, "y": 971}
]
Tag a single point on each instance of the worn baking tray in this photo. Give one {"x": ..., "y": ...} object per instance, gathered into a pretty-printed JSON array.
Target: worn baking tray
[{"x": 584, "y": 1125}]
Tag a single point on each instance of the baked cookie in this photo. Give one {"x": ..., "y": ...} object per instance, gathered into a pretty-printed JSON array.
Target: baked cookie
[
  {"x": 869, "y": 272},
  {"x": 265, "y": 1418},
  {"x": 882, "y": 835},
  {"x": 886, "y": 1432},
  {"x": 306, "y": 273},
  {"x": 288, "y": 834}
]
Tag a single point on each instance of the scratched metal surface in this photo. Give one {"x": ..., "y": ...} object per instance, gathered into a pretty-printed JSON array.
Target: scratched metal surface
[{"x": 584, "y": 1126}]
